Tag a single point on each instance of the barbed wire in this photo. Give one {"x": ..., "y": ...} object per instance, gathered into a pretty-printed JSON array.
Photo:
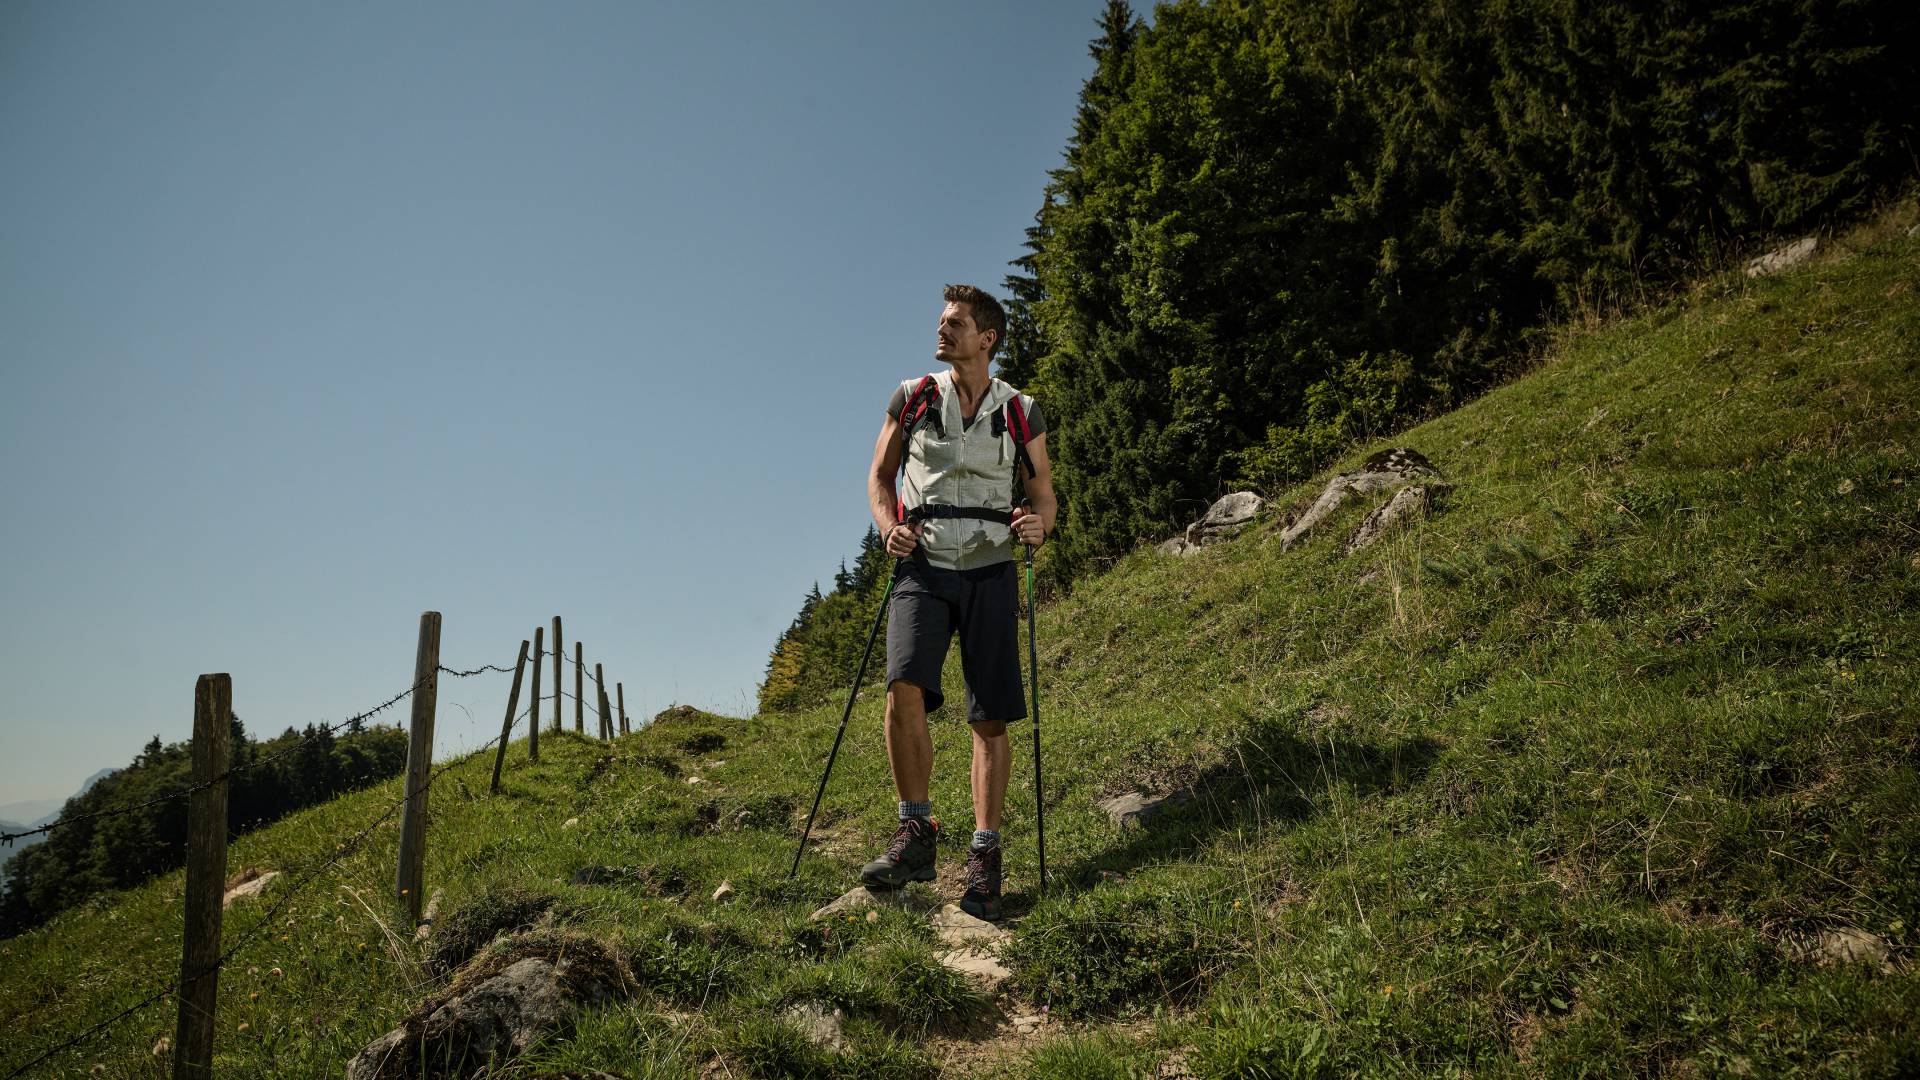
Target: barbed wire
[
  {"x": 341, "y": 850},
  {"x": 481, "y": 670},
  {"x": 8, "y": 838}
]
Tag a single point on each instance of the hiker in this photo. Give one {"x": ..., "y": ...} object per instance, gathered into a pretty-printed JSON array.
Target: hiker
[{"x": 967, "y": 441}]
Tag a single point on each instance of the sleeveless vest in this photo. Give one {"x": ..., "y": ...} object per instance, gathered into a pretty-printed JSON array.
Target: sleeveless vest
[{"x": 951, "y": 464}]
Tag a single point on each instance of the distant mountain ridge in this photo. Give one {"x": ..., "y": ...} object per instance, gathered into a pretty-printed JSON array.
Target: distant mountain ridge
[
  {"x": 37, "y": 812},
  {"x": 48, "y": 810}
]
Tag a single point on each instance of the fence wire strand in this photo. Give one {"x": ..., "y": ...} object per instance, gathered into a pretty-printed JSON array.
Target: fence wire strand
[{"x": 8, "y": 838}]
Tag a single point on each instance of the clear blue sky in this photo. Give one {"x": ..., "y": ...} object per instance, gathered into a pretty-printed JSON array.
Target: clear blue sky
[{"x": 315, "y": 317}]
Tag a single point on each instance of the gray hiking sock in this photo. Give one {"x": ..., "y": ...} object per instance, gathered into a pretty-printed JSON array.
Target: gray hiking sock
[
  {"x": 910, "y": 809},
  {"x": 984, "y": 839}
]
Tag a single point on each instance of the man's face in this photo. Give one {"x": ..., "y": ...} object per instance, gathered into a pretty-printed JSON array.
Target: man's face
[{"x": 958, "y": 339}]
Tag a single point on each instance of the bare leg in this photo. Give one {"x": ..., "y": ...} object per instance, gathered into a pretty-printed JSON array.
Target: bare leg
[
  {"x": 992, "y": 761},
  {"x": 909, "y": 743}
]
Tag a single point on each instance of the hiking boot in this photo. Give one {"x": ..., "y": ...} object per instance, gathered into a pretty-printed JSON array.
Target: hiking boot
[
  {"x": 908, "y": 858},
  {"x": 982, "y": 898}
]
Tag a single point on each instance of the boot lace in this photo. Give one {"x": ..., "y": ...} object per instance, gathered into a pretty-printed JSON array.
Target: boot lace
[{"x": 902, "y": 836}]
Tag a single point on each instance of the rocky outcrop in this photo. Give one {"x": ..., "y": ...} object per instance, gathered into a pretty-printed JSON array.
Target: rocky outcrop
[
  {"x": 506, "y": 1003},
  {"x": 979, "y": 967},
  {"x": 1781, "y": 258},
  {"x": 676, "y": 712},
  {"x": 1847, "y": 945},
  {"x": 971, "y": 943},
  {"x": 1407, "y": 505},
  {"x": 1388, "y": 470},
  {"x": 951, "y": 926},
  {"x": 859, "y": 898},
  {"x": 1135, "y": 808},
  {"x": 1228, "y": 515},
  {"x": 248, "y": 883},
  {"x": 818, "y": 1024}
]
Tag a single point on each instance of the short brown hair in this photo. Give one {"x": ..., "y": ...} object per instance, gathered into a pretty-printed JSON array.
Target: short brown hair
[{"x": 986, "y": 311}]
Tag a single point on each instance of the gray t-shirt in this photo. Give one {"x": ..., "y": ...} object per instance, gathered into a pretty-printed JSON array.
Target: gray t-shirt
[{"x": 1036, "y": 420}]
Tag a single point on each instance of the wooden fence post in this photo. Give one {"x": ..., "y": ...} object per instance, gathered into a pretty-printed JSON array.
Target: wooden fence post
[
  {"x": 606, "y": 714},
  {"x": 579, "y": 689},
  {"x": 620, "y": 691},
  {"x": 413, "y": 820},
  {"x": 559, "y": 649},
  {"x": 206, "y": 876},
  {"x": 533, "y": 707},
  {"x": 513, "y": 704}
]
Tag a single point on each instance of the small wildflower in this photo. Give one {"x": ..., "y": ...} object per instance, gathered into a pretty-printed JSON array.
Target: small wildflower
[{"x": 1389, "y": 990}]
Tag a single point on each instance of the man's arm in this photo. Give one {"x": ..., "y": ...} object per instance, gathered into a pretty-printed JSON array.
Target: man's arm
[
  {"x": 881, "y": 498},
  {"x": 1039, "y": 492}
]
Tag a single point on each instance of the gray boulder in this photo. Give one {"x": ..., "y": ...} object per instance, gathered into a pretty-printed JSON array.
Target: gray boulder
[
  {"x": 859, "y": 898},
  {"x": 820, "y": 1025},
  {"x": 1848, "y": 945},
  {"x": 493, "y": 1016},
  {"x": 1228, "y": 515},
  {"x": 1781, "y": 258},
  {"x": 981, "y": 968},
  {"x": 1134, "y": 809}
]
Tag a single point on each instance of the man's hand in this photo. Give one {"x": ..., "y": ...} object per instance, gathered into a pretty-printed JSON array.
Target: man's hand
[
  {"x": 902, "y": 538},
  {"x": 1027, "y": 527}
]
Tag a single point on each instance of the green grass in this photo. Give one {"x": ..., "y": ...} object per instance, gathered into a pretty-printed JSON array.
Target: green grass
[{"x": 1555, "y": 783}]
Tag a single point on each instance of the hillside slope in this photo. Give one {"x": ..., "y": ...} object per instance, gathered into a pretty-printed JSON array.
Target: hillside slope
[{"x": 1569, "y": 780}]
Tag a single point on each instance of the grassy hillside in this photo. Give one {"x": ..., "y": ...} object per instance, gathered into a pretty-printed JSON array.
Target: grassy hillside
[{"x": 1564, "y": 781}]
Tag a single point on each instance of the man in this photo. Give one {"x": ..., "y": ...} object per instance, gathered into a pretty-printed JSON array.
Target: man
[{"x": 955, "y": 523}]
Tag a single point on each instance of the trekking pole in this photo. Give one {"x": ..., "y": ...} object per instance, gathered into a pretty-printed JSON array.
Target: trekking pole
[
  {"x": 1033, "y": 662},
  {"x": 851, "y": 694}
]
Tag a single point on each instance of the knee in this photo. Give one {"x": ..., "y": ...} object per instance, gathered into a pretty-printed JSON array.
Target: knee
[
  {"x": 987, "y": 730},
  {"x": 905, "y": 701}
]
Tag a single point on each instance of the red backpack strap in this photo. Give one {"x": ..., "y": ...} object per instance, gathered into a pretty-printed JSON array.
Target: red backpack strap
[
  {"x": 922, "y": 404},
  {"x": 1017, "y": 425}
]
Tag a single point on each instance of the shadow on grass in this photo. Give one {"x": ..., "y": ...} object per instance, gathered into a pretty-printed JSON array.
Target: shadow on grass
[{"x": 1270, "y": 778}]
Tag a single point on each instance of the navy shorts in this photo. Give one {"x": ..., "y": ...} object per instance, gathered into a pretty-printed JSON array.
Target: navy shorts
[{"x": 983, "y": 604}]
